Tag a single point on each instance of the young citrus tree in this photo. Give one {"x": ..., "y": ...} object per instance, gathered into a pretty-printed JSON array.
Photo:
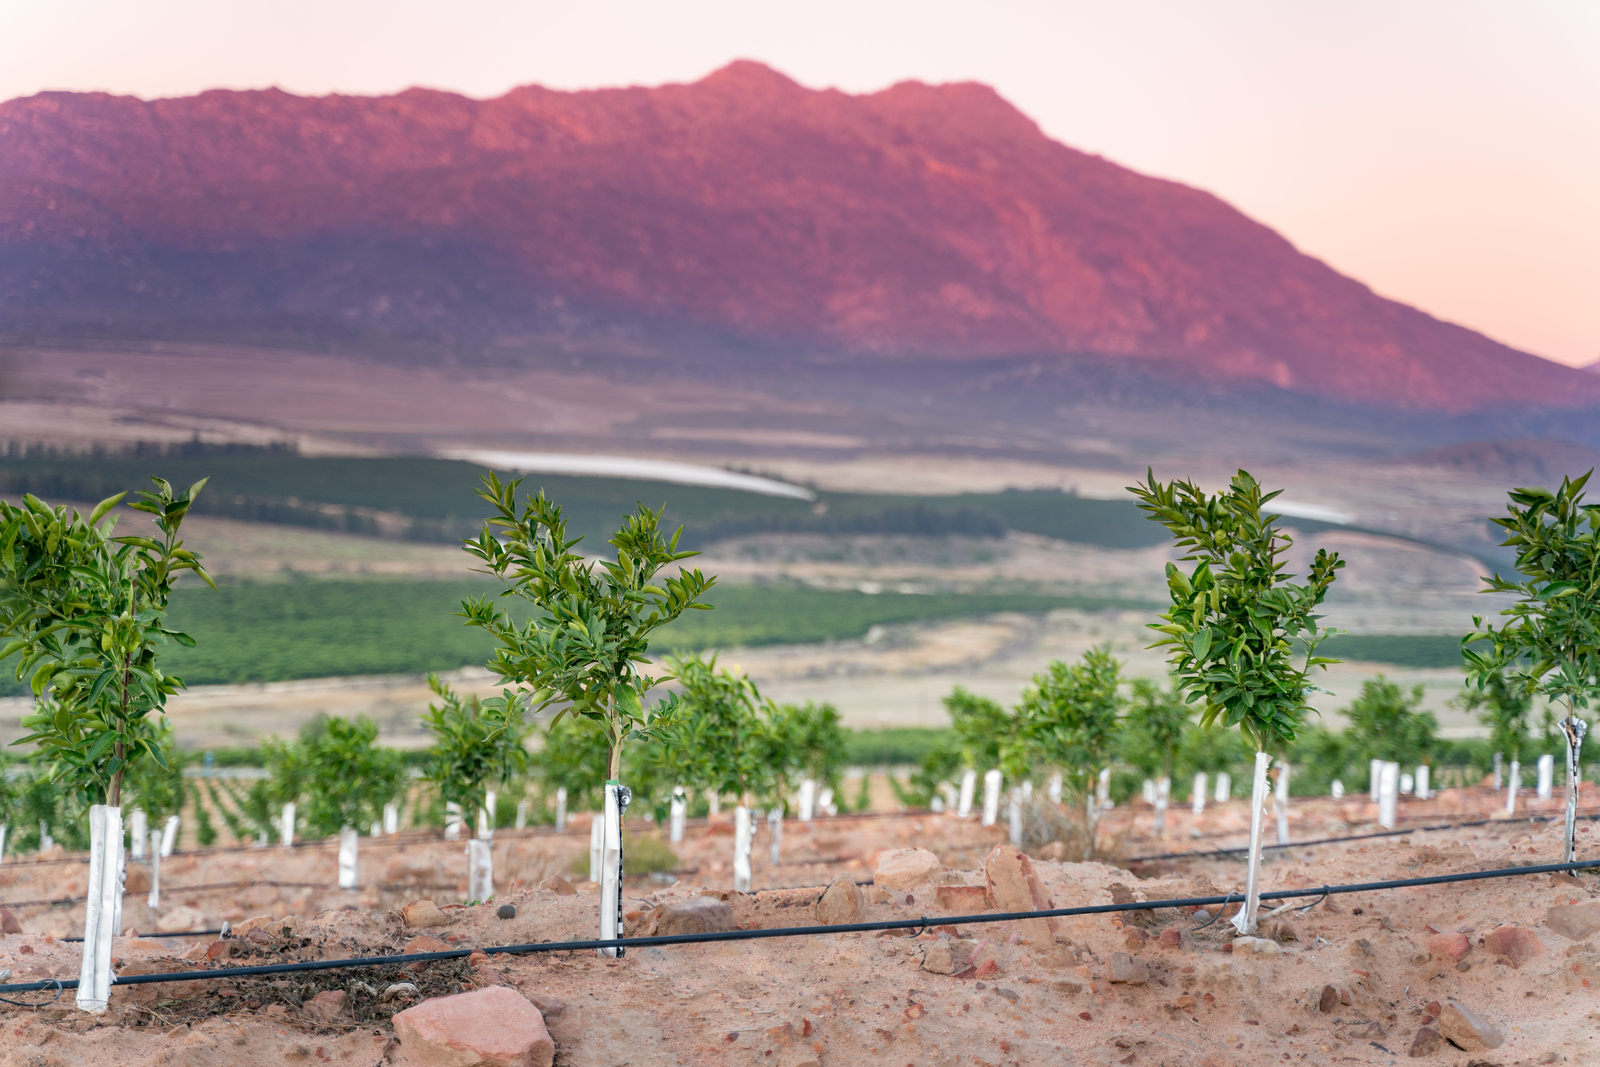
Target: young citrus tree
[
  {"x": 1237, "y": 623},
  {"x": 587, "y": 634},
  {"x": 1550, "y": 644},
  {"x": 476, "y": 744},
  {"x": 84, "y": 612},
  {"x": 1156, "y": 723},
  {"x": 1069, "y": 716},
  {"x": 349, "y": 777},
  {"x": 1386, "y": 723}
]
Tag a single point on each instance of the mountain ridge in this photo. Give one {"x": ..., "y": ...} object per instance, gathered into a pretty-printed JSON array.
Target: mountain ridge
[{"x": 919, "y": 222}]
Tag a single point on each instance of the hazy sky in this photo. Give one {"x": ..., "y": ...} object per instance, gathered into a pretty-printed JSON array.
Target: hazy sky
[{"x": 1447, "y": 152}]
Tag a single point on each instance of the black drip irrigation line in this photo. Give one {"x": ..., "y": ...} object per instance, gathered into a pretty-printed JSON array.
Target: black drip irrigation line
[
  {"x": 1357, "y": 837},
  {"x": 920, "y": 925}
]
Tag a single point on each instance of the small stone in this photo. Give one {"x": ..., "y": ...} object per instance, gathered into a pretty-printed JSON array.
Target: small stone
[
  {"x": 988, "y": 969},
  {"x": 181, "y": 919},
  {"x": 506, "y": 911},
  {"x": 1466, "y": 1031},
  {"x": 1463, "y": 966},
  {"x": 423, "y": 913},
  {"x": 946, "y": 956},
  {"x": 491, "y": 1027},
  {"x": 1277, "y": 929},
  {"x": 1360, "y": 947},
  {"x": 9, "y": 923},
  {"x": 1185, "y": 1002},
  {"x": 1071, "y": 989},
  {"x": 905, "y": 868},
  {"x": 220, "y": 950},
  {"x": 842, "y": 902},
  {"x": 1255, "y": 946},
  {"x": 1177, "y": 937},
  {"x": 424, "y": 943},
  {"x": 1575, "y": 922},
  {"x": 327, "y": 1005},
  {"x": 1516, "y": 944},
  {"x": 1135, "y": 939},
  {"x": 1448, "y": 946},
  {"x": 1015, "y": 886},
  {"x": 1427, "y": 1042},
  {"x": 696, "y": 915},
  {"x": 1328, "y": 1001},
  {"x": 1124, "y": 968},
  {"x": 558, "y": 885},
  {"x": 962, "y": 899},
  {"x": 137, "y": 880}
]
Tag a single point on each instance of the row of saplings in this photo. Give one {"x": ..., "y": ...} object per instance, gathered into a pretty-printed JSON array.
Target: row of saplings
[{"x": 84, "y": 611}]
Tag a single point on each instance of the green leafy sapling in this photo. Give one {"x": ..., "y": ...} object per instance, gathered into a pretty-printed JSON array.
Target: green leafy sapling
[
  {"x": 85, "y": 613},
  {"x": 1237, "y": 624},
  {"x": 591, "y": 623},
  {"x": 1386, "y": 723},
  {"x": 1159, "y": 718},
  {"x": 349, "y": 776},
  {"x": 1549, "y": 645},
  {"x": 1069, "y": 718},
  {"x": 476, "y": 745}
]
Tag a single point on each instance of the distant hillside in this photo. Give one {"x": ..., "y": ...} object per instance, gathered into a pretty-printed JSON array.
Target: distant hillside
[
  {"x": 744, "y": 212},
  {"x": 1521, "y": 462}
]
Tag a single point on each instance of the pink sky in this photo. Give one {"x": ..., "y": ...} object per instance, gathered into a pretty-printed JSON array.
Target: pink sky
[{"x": 1446, "y": 152}]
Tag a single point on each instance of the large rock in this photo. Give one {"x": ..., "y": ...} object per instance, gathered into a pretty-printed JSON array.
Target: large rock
[
  {"x": 1515, "y": 944},
  {"x": 180, "y": 920},
  {"x": 493, "y": 1027},
  {"x": 1574, "y": 922},
  {"x": 1450, "y": 946},
  {"x": 905, "y": 868},
  {"x": 1466, "y": 1030},
  {"x": 422, "y": 914},
  {"x": 1255, "y": 946},
  {"x": 1015, "y": 886},
  {"x": 842, "y": 902},
  {"x": 696, "y": 915}
]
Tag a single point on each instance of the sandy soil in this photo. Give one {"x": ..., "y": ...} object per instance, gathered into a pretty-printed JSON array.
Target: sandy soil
[{"x": 861, "y": 999}]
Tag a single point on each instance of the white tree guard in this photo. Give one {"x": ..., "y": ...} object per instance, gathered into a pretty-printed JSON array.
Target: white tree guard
[
  {"x": 969, "y": 783},
  {"x": 808, "y": 800},
  {"x": 1408, "y": 784},
  {"x": 169, "y": 835},
  {"x": 1374, "y": 774},
  {"x": 46, "y": 842},
  {"x": 1147, "y": 791},
  {"x": 286, "y": 826},
  {"x": 452, "y": 821},
  {"x": 1163, "y": 795},
  {"x": 154, "y": 899},
  {"x": 611, "y": 866},
  {"x": 1052, "y": 788},
  {"x": 1574, "y": 728},
  {"x": 101, "y": 907},
  {"x": 741, "y": 849},
  {"x": 1424, "y": 786},
  {"x": 1388, "y": 792},
  {"x": 391, "y": 818},
  {"x": 1224, "y": 787},
  {"x": 480, "y": 869},
  {"x": 561, "y": 808},
  {"x": 3, "y": 828},
  {"x": 825, "y": 801},
  {"x": 714, "y": 802},
  {"x": 1102, "y": 791},
  {"x": 597, "y": 846},
  {"x": 1499, "y": 765},
  {"x": 1197, "y": 796},
  {"x": 1513, "y": 783},
  {"x": 487, "y": 815},
  {"x": 775, "y": 826},
  {"x": 991, "y": 797},
  {"x": 1245, "y": 920},
  {"x": 348, "y": 842},
  {"x": 522, "y": 813},
  {"x": 1547, "y": 776},
  {"x": 1280, "y": 802},
  {"x": 1015, "y": 817},
  {"x": 680, "y": 812},
  {"x": 377, "y": 828},
  {"x": 1337, "y": 789},
  {"x": 138, "y": 830}
]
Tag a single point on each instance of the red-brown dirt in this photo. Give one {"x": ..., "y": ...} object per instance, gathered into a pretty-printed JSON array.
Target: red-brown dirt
[
  {"x": 920, "y": 220},
  {"x": 1193, "y": 999}
]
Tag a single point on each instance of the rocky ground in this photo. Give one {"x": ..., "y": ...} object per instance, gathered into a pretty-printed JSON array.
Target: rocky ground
[{"x": 1507, "y": 968}]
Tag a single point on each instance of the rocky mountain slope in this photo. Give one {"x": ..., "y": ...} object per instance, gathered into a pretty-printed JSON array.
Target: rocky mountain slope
[{"x": 739, "y": 212}]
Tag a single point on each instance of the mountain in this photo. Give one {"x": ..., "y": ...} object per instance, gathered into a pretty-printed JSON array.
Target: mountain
[{"x": 741, "y": 212}]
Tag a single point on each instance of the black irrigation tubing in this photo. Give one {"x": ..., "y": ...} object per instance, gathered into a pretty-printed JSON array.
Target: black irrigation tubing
[
  {"x": 1590, "y": 817},
  {"x": 920, "y": 924}
]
